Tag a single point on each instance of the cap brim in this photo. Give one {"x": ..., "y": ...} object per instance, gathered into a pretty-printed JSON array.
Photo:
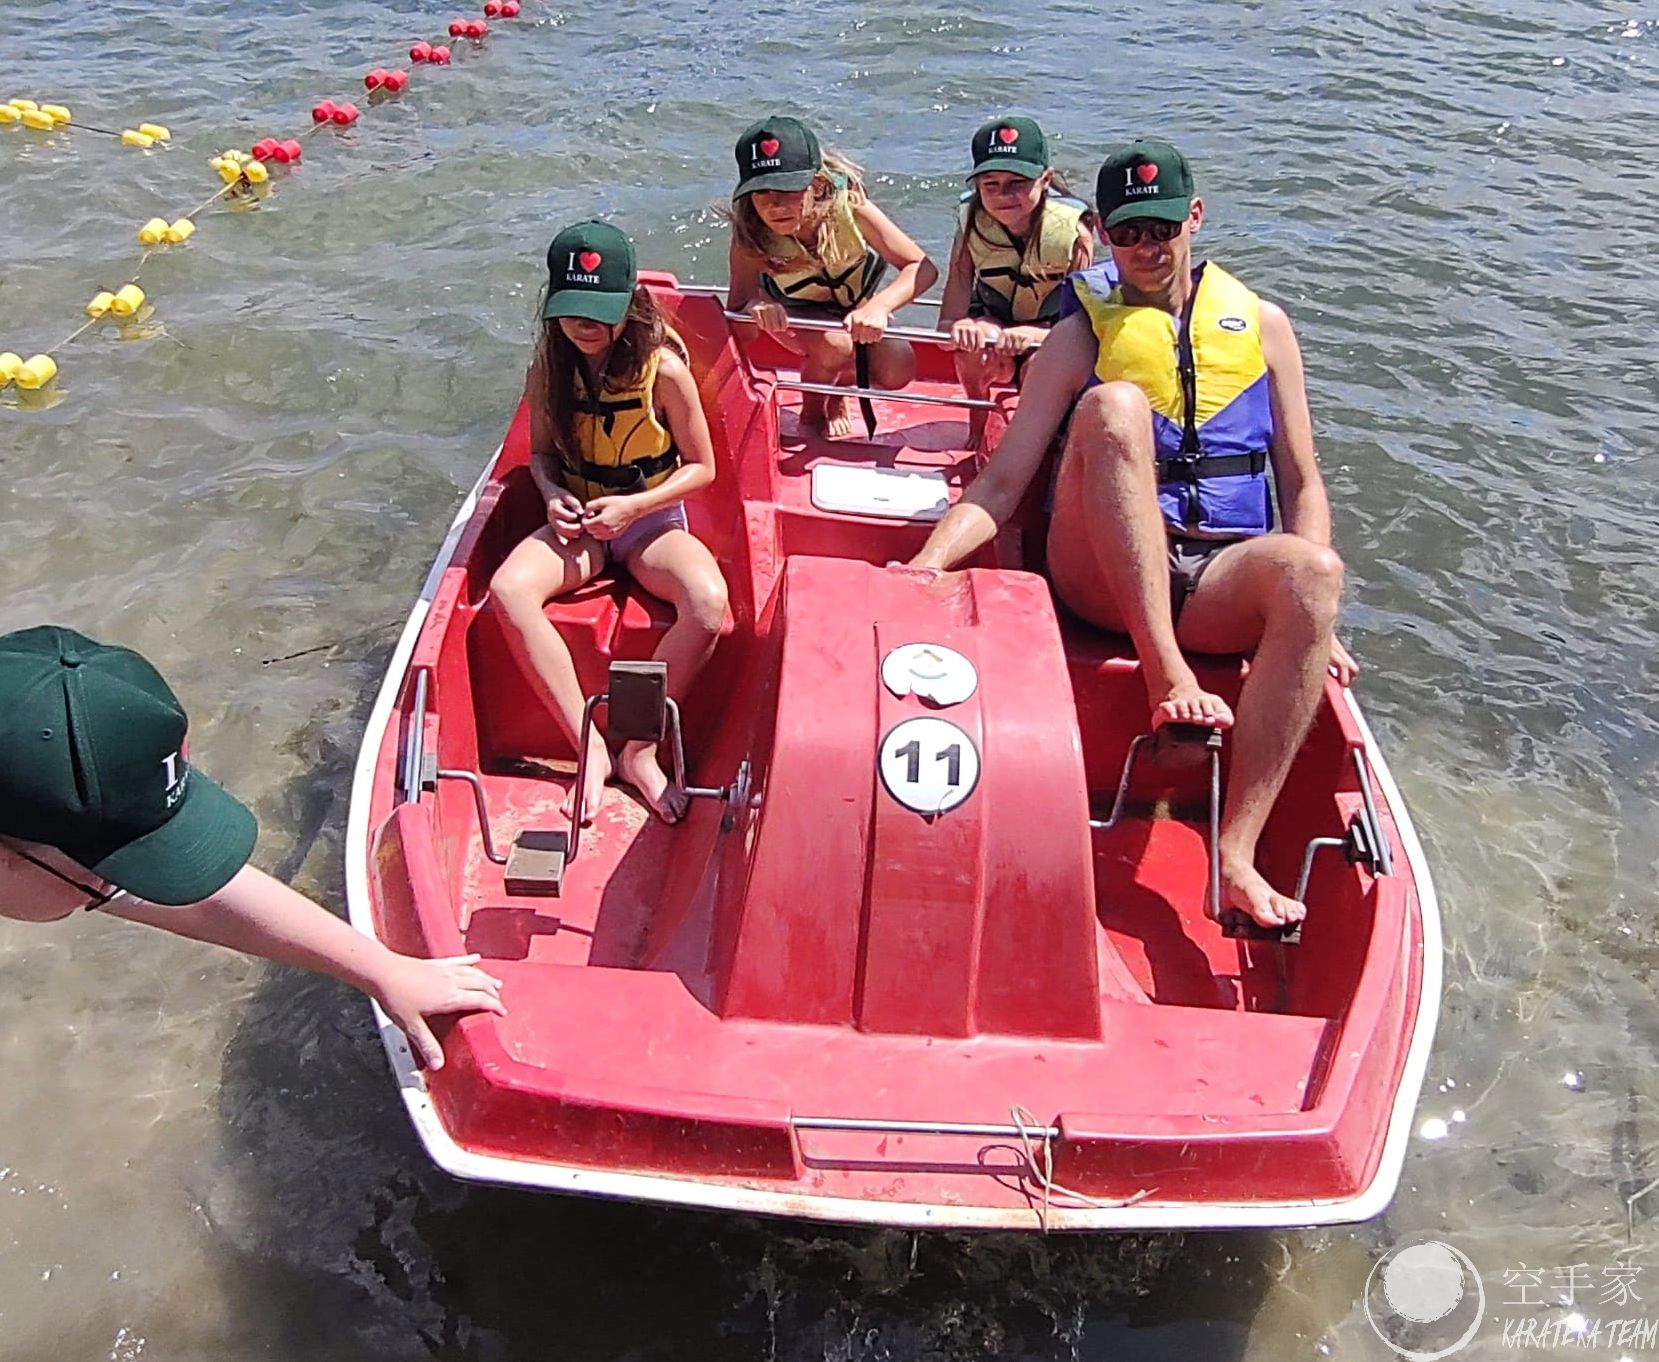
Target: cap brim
[
  {"x": 609, "y": 308},
  {"x": 1030, "y": 169},
  {"x": 1168, "y": 210},
  {"x": 192, "y": 855},
  {"x": 783, "y": 181}
]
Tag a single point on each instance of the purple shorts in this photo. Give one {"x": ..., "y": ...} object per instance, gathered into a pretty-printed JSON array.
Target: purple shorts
[{"x": 644, "y": 530}]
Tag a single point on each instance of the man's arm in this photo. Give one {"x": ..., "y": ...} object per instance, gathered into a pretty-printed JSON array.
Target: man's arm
[
  {"x": 1053, "y": 379},
  {"x": 1301, "y": 489}
]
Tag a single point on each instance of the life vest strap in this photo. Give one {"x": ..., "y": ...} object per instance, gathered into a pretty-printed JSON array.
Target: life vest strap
[
  {"x": 861, "y": 375},
  {"x": 1195, "y": 468},
  {"x": 628, "y": 477}
]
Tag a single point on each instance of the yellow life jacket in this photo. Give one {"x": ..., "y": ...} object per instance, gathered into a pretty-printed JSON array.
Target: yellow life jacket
[
  {"x": 1205, "y": 377},
  {"x": 625, "y": 448},
  {"x": 843, "y": 277},
  {"x": 1016, "y": 282}
]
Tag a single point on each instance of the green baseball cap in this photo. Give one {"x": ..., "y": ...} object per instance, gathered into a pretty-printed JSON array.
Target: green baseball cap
[
  {"x": 778, "y": 153},
  {"x": 590, "y": 273},
  {"x": 1143, "y": 179},
  {"x": 1016, "y": 145},
  {"x": 94, "y": 763}
]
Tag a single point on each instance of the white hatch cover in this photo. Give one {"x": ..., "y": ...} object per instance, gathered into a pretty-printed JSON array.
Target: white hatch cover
[{"x": 891, "y": 493}]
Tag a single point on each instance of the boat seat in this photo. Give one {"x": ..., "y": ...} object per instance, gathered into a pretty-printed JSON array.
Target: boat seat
[{"x": 607, "y": 619}]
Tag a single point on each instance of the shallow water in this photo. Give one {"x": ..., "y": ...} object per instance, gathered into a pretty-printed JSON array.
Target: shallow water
[{"x": 201, "y": 1158}]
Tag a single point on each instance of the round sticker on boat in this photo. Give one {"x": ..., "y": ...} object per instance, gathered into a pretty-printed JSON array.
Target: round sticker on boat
[
  {"x": 930, "y": 671},
  {"x": 928, "y": 765}
]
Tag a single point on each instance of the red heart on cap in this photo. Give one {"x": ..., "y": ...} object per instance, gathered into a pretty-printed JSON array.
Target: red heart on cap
[
  {"x": 769, "y": 146},
  {"x": 1008, "y": 135},
  {"x": 1147, "y": 172},
  {"x": 590, "y": 260}
]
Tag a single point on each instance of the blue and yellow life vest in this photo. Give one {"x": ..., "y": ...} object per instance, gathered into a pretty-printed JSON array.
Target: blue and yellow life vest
[
  {"x": 1205, "y": 377},
  {"x": 625, "y": 448},
  {"x": 842, "y": 277},
  {"x": 1017, "y": 283}
]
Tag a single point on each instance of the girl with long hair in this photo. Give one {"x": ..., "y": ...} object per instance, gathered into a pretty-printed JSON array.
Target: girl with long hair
[{"x": 618, "y": 441}]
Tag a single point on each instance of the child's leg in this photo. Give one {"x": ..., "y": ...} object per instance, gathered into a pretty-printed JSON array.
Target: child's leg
[
  {"x": 826, "y": 357},
  {"x": 541, "y": 567},
  {"x": 677, "y": 567},
  {"x": 977, "y": 370},
  {"x": 892, "y": 364}
]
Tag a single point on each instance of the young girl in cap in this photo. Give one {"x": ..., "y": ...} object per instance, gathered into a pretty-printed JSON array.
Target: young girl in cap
[
  {"x": 100, "y": 807},
  {"x": 1018, "y": 235},
  {"x": 807, "y": 240},
  {"x": 618, "y": 440}
]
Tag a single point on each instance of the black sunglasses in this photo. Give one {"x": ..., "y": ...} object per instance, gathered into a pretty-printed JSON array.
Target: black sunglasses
[
  {"x": 96, "y": 898},
  {"x": 1136, "y": 230}
]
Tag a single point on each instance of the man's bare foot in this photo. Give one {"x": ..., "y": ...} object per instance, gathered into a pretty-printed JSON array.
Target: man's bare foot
[
  {"x": 1187, "y": 702},
  {"x": 598, "y": 772},
  {"x": 1242, "y": 887},
  {"x": 832, "y": 416},
  {"x": 637, "y": 765}
]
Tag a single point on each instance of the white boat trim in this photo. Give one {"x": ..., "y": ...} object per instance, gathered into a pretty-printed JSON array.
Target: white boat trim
[{"x": 1144, "y": 1215}]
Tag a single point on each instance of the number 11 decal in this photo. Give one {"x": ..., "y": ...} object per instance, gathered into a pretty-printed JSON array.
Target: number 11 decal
[{"x": 928, "y": 765}]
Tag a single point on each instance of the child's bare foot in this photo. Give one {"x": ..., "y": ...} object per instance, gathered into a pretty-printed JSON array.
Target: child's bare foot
[
  {"x": 830, "y": 415},
  {"x": 1242, "y": 887},
  {"x": 638, "y": 765},
  {"x": 594, "y": 778},
  {"x": 1186, "y": 702}
]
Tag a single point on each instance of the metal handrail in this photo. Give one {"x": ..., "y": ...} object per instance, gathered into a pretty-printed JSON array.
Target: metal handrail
[
  {"x": 716, "y": 290},
  {"x": 909, "y": 333},
  {"x": 414, "y": 755},
  {"x": 922, "y": 1127},
  {"x": 472, "y": 778},
  {"x": 1385, "y": 853},
  {"x": 885, "y": 395}
]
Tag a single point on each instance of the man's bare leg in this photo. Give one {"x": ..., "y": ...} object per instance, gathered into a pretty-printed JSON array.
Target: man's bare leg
[
  {"x": 1107, "y": 530},
  {"x": 1277, "y": 595}
]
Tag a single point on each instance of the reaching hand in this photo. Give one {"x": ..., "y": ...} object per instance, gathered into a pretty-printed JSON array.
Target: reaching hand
[
  {"x": 564, "y": 514},
  {"x": 974, "y": 333},
  {"x": 769, "y": 317},
  {"x": 1342, "y": 664},
  {"x": 868, "y": 323},
  {"x": 415, "y": 989},
  {"x": 607, "y": 517}
]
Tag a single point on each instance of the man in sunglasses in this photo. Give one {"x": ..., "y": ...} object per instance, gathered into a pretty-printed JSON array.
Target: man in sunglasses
[
  {"x": 101, "y": 808},
  {"x": 1184, "y": 391}
]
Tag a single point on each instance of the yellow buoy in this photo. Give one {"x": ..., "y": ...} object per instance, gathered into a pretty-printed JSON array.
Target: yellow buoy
[
  {"x": 229, "y": 172},
  {"x": 58, "y": 112},
  {"x": 156, "y": 131},
  {"x": 240, "y": 157},
  {"x": 39, "y": 120},
  {"x": 22, "y": 104},
  {"x": 37, "y": 372},
  {"x": 133, "y": 138},
  {"x": 10, "y": 116},
  {"x": 128, "y": 299},
  {"x": 10, "y": 364},
  {"x": 256, "y": 172},
  {"x": 100, "y": 304},
  {"x": 180, "y": 230},
  {"x": 153, "y": 232}
]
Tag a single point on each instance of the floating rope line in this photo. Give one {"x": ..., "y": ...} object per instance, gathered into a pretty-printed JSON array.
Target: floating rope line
[{"x": 247, "y": 177}]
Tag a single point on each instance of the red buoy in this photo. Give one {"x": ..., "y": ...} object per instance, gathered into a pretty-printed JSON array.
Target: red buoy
[
  {"x": 375, "y": 79},
  {"x": 477, "y": 28},
  {"x": 440, "y": 56},
  {"x": 421, "y": 52},
  {"x": 321, "y": 113},
  {"x": 345, "y": 115},
  {"x": 458, "y": 29}
]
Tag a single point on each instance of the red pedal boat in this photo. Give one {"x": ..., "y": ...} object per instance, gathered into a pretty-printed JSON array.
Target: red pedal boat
[{"x": 934, "y": 946}]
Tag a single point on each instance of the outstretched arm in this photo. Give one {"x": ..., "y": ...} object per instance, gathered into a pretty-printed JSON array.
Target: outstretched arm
[
  {"x": 1301, "y": 489},
  {"x": 261, "y": 916},
  {"x": 1053, "y": 379}
]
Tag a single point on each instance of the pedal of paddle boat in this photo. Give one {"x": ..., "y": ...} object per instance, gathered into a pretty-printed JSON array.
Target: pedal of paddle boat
[{"x": 536, "y": 864}]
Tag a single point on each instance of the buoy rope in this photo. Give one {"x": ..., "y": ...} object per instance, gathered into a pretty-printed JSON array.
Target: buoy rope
[{"x": 245, "y": 176}]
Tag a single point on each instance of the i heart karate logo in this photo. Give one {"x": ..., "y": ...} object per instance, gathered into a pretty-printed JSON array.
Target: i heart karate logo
[
  {"x": 769, "y": 146},
  {"x": 1147, "y": 172},
  {"x": 590, "y": 260},
  {"x": 1008, "y": 136}
]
